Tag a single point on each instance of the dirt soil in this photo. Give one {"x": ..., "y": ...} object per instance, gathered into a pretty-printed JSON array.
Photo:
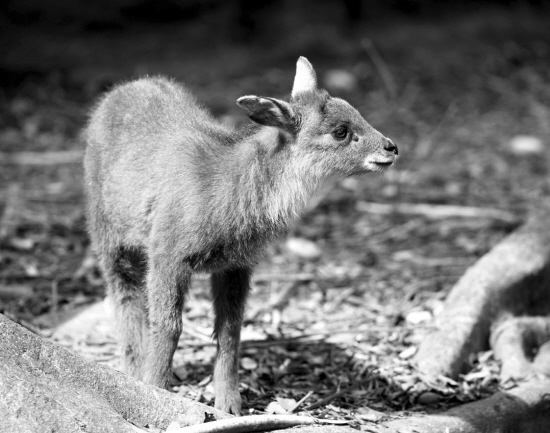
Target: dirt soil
[{"x": 465, "y": 97}]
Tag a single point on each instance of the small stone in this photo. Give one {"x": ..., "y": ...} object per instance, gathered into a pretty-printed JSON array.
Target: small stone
[
  {"x": 428, "y": 398},
  {"x": 418, "y": 317},
  {"x": 526, "y": 145},
  {"x": 280, "y": 407},
  {"x": 249, "y": 363},
  {"x": 408, "y": 352},
  {"x": 303, "y": 248},
  {"x": 181, "y": 372},
  {"x": 368, "y": 414},
  {"x": 31, "y": 270},
  {"x": 24, "y": 244}
]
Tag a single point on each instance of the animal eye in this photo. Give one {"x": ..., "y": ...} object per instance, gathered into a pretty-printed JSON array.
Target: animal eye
[{"x": 340, "y": 133}]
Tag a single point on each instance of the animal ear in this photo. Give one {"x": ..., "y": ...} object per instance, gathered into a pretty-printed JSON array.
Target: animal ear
[
  {"x": 305, "y": 79},
  {"x": 268, "y": 111}
]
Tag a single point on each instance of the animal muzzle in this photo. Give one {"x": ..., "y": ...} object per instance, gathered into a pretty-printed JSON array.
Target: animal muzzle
[{"x": 383, "y": 158}]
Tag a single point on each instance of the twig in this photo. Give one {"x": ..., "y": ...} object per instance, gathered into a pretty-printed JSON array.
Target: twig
[
  {"x": 302, "y": 339},
  {"x": 396, "y": 232},
  {"x": 12, "y": 203},
  {"x": 310, "y": 338},
  {"x": 41, "y": 158},
  {"x": 191, "y": 330},
  {"x": 254, "y": 423},
  {"x": 344, "y": 295},
  {"x": 303, "y": 277},
  {"x": 266, "y": 278},
  {"x": 453, "y": 261},
  {"x": 196, "y": 344},
  {"x": 281, "y": 300},
  {"x": 20, "y": 291},
  {"x": 381, "y": 66},
  {"x": 297, "y": 405},
  {"x": 331, "y": 397},
  {"x": 315, "y": 338},
  {"x": 55, "y": 302},
  {"x": 437, "y": 211}
]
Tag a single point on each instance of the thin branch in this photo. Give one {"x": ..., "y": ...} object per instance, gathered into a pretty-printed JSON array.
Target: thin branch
[
  {"x": 192, "y": 330},
  {"x": 254, "y": 423},
  {"x": 248, "y": 424},
  {"x": 281, "y": 300},
  {"x": 12, "y": 203},
  {"x": 297, "y": 405},
  {"x": 303, "y": 277},
  {"x": 437, "y": 211},
  {"x": 41, "y": 158},
  {"x": 303, "y": 339},
  {"x": 331, "y": 397}
]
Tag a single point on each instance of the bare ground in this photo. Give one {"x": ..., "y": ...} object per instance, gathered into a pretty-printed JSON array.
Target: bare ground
[{"x": 458, "y": 96}]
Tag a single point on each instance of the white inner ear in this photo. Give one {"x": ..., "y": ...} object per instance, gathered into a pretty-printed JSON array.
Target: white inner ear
[{"x": 305, "y": 79}]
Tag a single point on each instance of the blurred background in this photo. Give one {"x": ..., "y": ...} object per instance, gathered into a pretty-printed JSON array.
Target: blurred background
[{"x": 463, "y": 89}]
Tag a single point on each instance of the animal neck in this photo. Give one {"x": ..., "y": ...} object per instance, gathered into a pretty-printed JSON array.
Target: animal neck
[{"x": 274, "y": 182}]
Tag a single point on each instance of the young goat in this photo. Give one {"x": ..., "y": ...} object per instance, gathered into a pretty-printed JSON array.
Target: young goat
[{"x": 172, "y": 192}]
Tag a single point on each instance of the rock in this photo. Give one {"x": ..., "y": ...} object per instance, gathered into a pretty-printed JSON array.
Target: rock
[
  {"x": 281, "y": 406},
  {"x": 428, "y": 398},
  {"x": 303, "y": 248},
  {"x": 418, "y": 317},
  {"x": 23, "y": 244},
  {"x": 249, "y": 363},
  {"x": 408, "y": 352},
  {"x": 526, "y": 145}
]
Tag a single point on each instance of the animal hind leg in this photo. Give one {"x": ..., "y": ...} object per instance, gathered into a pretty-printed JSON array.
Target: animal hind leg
[{"x": 124, "y": 272}]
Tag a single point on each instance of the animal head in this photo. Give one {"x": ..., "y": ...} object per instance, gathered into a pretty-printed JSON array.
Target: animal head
[{"x": 327, "y": 131}]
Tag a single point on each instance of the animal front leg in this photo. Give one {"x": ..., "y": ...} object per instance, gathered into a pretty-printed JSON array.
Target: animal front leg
[
  {"x": 166, "y": 289},
  {"x": 230, "y": 289}
]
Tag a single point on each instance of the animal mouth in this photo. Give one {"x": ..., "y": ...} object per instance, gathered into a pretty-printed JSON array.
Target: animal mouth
[{"x": 378, "y": 164}]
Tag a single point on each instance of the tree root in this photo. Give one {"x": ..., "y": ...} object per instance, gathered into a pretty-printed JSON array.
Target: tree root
[
  {"x": 513, "y": 279},
  {"x": 44, "y": 387},
  {"x": 522, "y": 344}
]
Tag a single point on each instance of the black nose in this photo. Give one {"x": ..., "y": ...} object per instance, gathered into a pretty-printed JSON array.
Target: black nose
[{"x": 391, "y": 147}]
